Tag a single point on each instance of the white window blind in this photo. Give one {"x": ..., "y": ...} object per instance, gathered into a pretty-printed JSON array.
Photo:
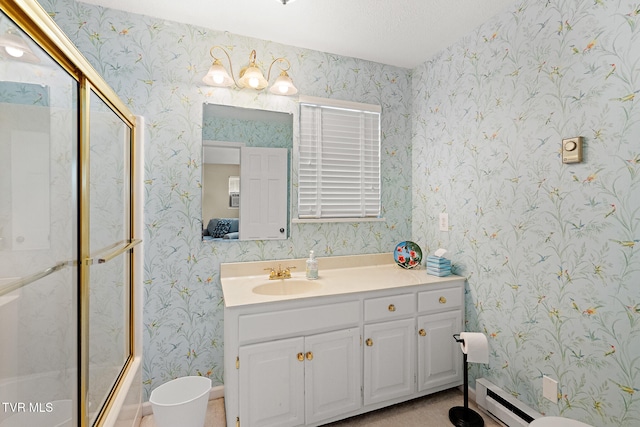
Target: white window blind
[{"x": 339, "y": 155}]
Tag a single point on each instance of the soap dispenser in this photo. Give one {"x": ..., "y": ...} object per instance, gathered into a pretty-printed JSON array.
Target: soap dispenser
[{"x": 312, "y": 266}]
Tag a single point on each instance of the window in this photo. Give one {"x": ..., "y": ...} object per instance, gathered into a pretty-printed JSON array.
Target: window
[
  {"x": 339, "y": 159},
  {"x": 234, "y": 192}
]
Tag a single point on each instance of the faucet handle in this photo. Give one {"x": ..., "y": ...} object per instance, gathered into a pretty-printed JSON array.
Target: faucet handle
[
  {"x": 287, "y": 272},
  {"x": 272, "y": 272}
]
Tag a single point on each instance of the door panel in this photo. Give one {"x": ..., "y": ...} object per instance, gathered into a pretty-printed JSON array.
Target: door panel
[
  {"x": 271, "y": 383},
  {"x": 263, "y": 193},
  {"x": 332, "y": 376},
  {"x": 439, "y": 356},
  {"x": 389, "y": 360}
]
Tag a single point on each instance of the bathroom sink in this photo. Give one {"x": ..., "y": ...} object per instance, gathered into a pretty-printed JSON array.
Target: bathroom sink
[{"x": 286, "y": 287}]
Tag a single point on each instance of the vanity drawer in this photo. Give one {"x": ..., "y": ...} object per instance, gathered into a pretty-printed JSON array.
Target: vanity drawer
[
  {"x": 299, "y": 321},
  {"x": 439, "y": 299},
  {"x": 389, "y": 307}
]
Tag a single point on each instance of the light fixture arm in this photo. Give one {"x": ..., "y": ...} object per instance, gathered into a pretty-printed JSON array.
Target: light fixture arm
[
  {"x": 216, "y": 59},
  {"x": 252, "y": 58},
  {"x": 282, "y": 69}
]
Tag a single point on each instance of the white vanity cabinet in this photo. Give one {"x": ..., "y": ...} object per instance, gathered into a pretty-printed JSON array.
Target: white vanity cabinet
[
  {"x": 292, "y": 363},
  {"x": 300, "y": 380},
  {"x": 439, "y": 356},
  {"x": 389, "y": 351},
  {"x": 389, "y": 359},
  {"x": 333, "y": 374},
  {"x": 272, "y": 383},
  {"x": 351, "y": 346}
]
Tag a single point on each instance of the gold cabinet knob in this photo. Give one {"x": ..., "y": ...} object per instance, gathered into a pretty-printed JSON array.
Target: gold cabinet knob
[
  {"x": 392, "y": 307},
  {"x": 369, "y": 342},
  {"x": 422, "y": 333},
  {"x": 301, "y": 357},
  {"x": 309, "y": 355},
  {"x": 442, "y": 300}
]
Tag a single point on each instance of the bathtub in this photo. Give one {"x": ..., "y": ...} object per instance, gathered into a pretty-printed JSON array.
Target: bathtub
[
  {"x": 58, "y": 413},
  {"x": 40, "y": 400}
]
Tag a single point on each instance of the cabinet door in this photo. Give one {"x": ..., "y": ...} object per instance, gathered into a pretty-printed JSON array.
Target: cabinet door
[
  {"x": 389, "y": 359},
  {"x": 332, "y": 374},
  {"x": 271, "y": 383},
  {"x": 439, "y": 356}
]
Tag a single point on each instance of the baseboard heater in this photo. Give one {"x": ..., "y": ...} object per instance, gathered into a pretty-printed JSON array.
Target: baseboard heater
[{"x": 502, "y": 406}]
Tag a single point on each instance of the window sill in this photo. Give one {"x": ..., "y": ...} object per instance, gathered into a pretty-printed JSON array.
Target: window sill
[{"x": 323, "y": 220}]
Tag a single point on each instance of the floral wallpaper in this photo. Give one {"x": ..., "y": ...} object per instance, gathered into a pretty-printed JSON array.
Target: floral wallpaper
[
  {"x": 23, "y": 93},
  {"x": 551, "y": 250},
  {"x": 156, "y": 67},
  {"x": 253, "y": 133}
]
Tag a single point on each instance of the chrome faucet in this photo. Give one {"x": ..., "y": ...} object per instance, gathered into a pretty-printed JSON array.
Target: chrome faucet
[{"x": 279, "y": 273}]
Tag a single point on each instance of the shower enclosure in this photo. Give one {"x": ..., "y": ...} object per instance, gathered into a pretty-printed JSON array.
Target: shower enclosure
[{"x": 69, "y": 222}]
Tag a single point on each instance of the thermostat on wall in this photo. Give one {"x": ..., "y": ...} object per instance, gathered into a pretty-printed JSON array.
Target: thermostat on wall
[{"x": 572, "y": 150}]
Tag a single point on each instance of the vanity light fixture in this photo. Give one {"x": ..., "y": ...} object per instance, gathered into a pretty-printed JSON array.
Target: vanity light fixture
[
  {"x": 13, "y": 46},
  {"x": 250, "y": 76}
]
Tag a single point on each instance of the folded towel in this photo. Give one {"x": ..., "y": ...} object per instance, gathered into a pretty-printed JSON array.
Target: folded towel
[
  {"x": 439, "y": 273},
  {"x": 447, "y": 265},
  {"x": 437, "y": 260},
  {"x": 439, "y": 270}
]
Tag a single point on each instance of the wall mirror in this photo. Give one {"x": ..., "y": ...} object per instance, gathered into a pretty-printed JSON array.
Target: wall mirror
[{"x": 246, "y": 164}]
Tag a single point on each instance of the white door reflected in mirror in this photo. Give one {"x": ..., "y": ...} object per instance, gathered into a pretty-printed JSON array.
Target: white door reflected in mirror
[
  {"x": 225, "y": 130},
  {"x": 263, "y": 193}
]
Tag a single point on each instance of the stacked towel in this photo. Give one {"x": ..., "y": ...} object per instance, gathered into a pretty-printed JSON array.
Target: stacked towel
[{"x": 437, "y": 266}]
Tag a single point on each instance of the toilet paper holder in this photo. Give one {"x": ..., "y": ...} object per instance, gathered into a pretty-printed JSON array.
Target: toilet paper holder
[{"x": 463, "y": 416}]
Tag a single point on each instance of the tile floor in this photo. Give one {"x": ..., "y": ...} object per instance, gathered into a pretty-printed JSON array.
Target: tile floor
[{"x": 430, "y": 411}]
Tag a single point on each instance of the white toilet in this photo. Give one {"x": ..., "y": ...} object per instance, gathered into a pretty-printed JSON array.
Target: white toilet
[{"x": 556, "y": 422}]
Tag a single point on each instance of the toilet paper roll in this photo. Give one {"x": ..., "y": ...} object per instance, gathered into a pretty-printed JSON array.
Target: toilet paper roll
[{"x": 475, "y": 346}]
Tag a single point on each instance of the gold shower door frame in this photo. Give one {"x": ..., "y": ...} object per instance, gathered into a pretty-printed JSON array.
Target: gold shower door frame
[{"x": 35, "y": 22}]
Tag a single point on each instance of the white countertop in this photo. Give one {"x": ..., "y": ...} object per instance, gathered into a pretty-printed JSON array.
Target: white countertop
[{"x": 337, "y": 275}]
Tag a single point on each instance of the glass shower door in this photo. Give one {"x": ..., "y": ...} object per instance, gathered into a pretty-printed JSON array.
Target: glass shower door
[
  {"x": 38, "y": 237},
  {"x": 109, "y": 239},
  {"x": 67, "y": 349}
]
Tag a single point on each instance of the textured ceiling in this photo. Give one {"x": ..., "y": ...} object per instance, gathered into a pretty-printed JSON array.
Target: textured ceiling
[{"x": 403, "y": 33}]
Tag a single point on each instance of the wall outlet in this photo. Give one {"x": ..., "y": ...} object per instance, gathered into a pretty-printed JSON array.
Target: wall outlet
[
  {"x": 444, "y": 222},
  {"x": 550, "y": 389}
]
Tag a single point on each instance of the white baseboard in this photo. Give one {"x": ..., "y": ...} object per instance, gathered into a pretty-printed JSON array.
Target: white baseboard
[{"x": 215, "y": 393}]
